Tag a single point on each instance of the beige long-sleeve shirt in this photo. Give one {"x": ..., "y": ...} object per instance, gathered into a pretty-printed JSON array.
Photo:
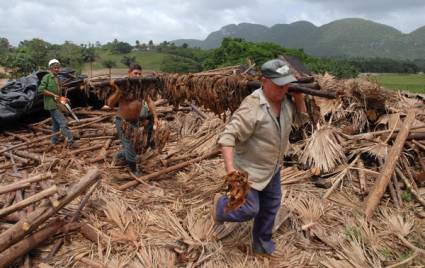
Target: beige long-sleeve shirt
[{"x": 259, "y": 141}]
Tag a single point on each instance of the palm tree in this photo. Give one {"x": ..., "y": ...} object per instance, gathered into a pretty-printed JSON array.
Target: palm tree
[
  {"x": 109, "y": 64},
  {"x": 89, "y": 55}
]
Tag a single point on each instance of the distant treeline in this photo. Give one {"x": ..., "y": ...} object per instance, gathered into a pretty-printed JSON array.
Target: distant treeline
[
  {"x": 381, "y": 65},
  {"x": 32, "y": 55}
]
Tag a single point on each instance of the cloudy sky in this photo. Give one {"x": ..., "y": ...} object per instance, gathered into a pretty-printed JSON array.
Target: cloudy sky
[{"x": 83, "y": 21}]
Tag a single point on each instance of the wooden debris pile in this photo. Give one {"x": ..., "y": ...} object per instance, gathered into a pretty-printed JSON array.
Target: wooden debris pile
[{"x": 162, "y": 219}]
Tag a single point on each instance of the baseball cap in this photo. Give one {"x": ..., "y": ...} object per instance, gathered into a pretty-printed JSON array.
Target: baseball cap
[
  {"x": 278, "y": 71},
  {"x": 53, "y": 61}
]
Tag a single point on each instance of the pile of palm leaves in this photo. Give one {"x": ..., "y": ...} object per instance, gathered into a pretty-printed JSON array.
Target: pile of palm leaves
[{"x": 166, "y": 221}]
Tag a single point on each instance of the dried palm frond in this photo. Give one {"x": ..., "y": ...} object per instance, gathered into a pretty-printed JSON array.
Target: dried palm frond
[
  {"x": 399, "y": 225},
  {"x": 116, "y": 211},
  {"x": 344, "y": 172},
  {"x": 291, "y": 175},
  {"x": 324, "y": 149},
  {"x": 310, "y": 210},
  {"x": 402, "y": 227},
  {"x": 375, "y": 148},
  {"x": 156, "y": 257},
  {"x": 199, "y": 224},
  {"x": 356, "y": 253},
  {"x": 329, "y": 106},
  {"x": 358, "y": 117},
  {"x": 330, "y": 262}
]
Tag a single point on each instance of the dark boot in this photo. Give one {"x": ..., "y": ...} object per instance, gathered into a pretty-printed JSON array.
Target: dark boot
[{"x": 134, "y": 170}]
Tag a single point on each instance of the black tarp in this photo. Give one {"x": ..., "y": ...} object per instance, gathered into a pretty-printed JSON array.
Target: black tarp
[{"x": 19, "y": 98}]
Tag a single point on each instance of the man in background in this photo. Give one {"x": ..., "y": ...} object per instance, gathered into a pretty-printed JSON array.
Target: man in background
[
  {"x": 127, "y": 121},
  {"x": 50, "y": 88}
]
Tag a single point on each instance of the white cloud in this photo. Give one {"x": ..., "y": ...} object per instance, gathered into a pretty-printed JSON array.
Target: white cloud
[{"x": 83, "y": 21}]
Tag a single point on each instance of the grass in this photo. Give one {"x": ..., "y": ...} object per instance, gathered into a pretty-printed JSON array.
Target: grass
[
  {"x": 149, "y": 60},
  {"x": 410, "y": 82}
]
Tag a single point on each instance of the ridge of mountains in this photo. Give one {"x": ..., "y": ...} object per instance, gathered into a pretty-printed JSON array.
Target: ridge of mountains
[{"x": 351, "y": 37}]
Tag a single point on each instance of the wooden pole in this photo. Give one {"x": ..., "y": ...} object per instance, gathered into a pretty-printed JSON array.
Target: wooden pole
[
  {"x": 381, "y": 185},
  {"x": 24, "y": 183},
  {"x": 102, "y": 154},
  {"x": 42, "y": 214},
  {"x": 27, "y": 143},
  {"x": 23, "y": 247},
  {"x": 166, "y": 170},
  {"x": 28, "y": 201},
  {"x": 74, "y": 218}
]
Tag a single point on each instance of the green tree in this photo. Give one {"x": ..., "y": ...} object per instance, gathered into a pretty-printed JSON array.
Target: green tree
[
  {"x": 109, "y": 64},
  {"x": 5, "y": 46},
  {"x": 118, "y": 47},
  {"x": 151, "y": 45},
  {"x": 128, "y": 60},
  {"x": 20, "y": 63},
  {"x": 89, "y": 55},
  {"x": 69, "y": 54},
  {"x": 37, "y": 49},
  {"x": 234, "y": 51},
  {"x": 178, "y": 64}
]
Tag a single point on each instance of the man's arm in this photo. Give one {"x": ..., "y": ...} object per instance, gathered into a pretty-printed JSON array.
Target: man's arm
[
  {"x": 227, "y": 152},
  {"x": 152, "y": 109},
  {"x": 115, "y": 97}
]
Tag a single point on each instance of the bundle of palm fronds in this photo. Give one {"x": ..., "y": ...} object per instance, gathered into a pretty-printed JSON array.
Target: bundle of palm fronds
[{"x": 324, "y": 149}]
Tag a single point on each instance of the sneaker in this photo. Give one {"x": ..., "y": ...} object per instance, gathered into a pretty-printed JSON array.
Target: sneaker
[{"x": 214, "y": 210}]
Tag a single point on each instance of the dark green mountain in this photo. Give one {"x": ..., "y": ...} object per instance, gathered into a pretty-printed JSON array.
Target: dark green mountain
[{"x": 340, "y": 38}]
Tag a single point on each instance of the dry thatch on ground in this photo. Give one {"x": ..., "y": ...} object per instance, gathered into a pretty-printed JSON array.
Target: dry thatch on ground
[{"x": 165, "y": 220}]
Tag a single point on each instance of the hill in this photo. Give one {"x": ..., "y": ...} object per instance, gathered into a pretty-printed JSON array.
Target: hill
[{"x": 350, "y": 37}]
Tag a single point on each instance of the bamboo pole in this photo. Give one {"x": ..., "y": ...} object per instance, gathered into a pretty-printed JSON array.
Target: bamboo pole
[
  {"x": 28, "y": 201},
  {"x": 33, "y": 156},
  {"x": 166, "y": 170},
  {"x": 24, "y": 161},
  {"x": 20, "y": 249},
  {"x": 74, "y": 218},
  {"x": 53, "y": 199},
  {"x": 102, "y": 154},
  {"x": 42, "y": 214},
  {"x": 420, "y": 145},
  {"x": 24, "y": 183},
  {"x": 388, "y": 169},
  {"x": 27, "y": 143},
  {"x": 91, "y": 148},
  {"x": 370, "y": 135}
]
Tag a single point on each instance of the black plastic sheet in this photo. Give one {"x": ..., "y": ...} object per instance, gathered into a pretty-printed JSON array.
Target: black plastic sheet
[{"x": 19, "y": 98}]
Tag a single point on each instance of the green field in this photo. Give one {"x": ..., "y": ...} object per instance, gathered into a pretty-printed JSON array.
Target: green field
[
  {"x": 410, "y": 82},
  {"x": 148, "y": 60}
]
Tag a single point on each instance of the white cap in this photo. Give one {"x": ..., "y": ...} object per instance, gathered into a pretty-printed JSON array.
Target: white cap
[{"x": 53, "y": 61}]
